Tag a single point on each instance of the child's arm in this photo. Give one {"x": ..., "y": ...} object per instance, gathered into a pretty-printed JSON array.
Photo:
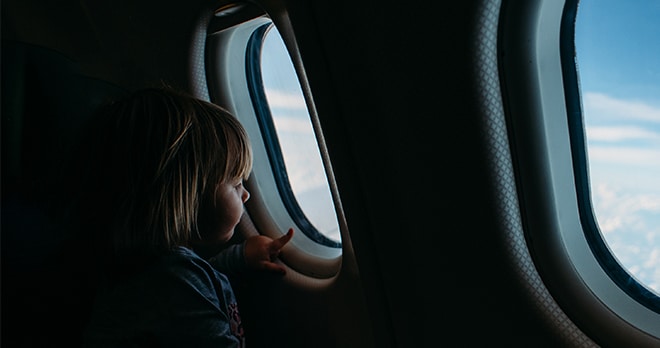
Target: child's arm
[
  {"x": 256, "y": 253},
  {"x": 230, "y": 260}
]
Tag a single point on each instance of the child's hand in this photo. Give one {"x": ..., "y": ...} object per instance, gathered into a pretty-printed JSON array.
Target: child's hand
[{"x": 260, "y": 251}]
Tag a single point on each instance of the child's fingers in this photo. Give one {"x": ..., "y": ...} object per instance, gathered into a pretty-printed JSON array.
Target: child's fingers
[
  {"x": 273, "y": 267},
  {"x": 280, "y": 242}
]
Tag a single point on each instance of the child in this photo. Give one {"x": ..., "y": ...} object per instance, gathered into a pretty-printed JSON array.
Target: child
[{"x": 165, "y": 192}]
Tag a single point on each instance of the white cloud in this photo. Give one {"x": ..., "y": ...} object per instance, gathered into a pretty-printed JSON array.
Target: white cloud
[
  {"x": 279, "y": 99},
  {"x": 294, "y": 125},
  {"x": 603, "y": 104},
  {"x": 653, "y": 258},
  {"x": 651, "y": 264},
  {"x": 622, "y": 205},
  {"x": 630, "y": 223},
  {"x": 649, "y": 272},
  {"x": 647, "y": 158},
  {"x": 622, "y": 132},
  {"x": 614, "y": 134}
]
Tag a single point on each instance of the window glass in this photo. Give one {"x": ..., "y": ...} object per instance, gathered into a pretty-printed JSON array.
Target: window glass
[
  {"x": 618, "y": 60},
  {"x": 295, "y": 134}
]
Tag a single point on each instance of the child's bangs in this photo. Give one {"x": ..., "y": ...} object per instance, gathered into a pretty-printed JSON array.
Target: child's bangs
[
  {"x": 239, "y": 157},
  {"x": 239, "y": 151}
]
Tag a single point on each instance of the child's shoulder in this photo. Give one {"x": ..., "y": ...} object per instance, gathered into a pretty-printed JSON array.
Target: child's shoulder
[
  {"x": 181, "y": 252},
  {"x": 184, "y": 259},
  {"x": 182, "y": 267}
]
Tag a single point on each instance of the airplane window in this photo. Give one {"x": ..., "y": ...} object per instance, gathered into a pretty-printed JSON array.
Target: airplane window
[
  {"x": 247, "y": 68},
  {"x": 586, "y": 167},
  {"x": 617, "y": 50},
  {"x": 291, "y": 142}
]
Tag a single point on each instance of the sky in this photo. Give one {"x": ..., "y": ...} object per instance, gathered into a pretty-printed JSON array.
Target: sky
[
  {"x": 300, "y": 150},
  {"x": 618, "y": 62}
]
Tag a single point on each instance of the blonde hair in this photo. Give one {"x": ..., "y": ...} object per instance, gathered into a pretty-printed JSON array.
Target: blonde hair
[{"x": 162, "y": 153}]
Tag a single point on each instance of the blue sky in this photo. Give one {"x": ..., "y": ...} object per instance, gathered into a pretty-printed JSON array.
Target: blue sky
[
  {"x": 618, "y": 57},
  {"x": 619, "y": 46}
]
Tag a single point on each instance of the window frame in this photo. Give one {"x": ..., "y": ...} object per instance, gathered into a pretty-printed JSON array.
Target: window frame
[
  {"x": 226, "y": 75},
  {"x": 532, "y": 64},
  {"x": 270, "y": 137},
  {"x": 597, "y": 243}
]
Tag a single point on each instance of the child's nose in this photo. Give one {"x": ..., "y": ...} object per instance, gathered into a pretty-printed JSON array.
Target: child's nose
[{"x": 246, "y": 195}]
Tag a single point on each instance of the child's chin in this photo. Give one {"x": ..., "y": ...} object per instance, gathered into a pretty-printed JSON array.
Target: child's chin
[{"x": 226, "y": 237}]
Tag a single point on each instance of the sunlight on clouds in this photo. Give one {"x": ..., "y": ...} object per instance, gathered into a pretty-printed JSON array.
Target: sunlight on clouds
[
  {"x": 614, "y": 134},
  {"x": 281, "y": 99},
  {"x": 652, "y": 263},
  {"x": 602, "y": 104},
  {"x": 293, "y": 124},
  {"x": 616, "y": 210},
  {"x": 630, "y": 224},
  {"x": 623, "y": 140},
  {"x": 618, "y": 132},
  {"x": 642, "y": 157},
  {"x": 300, "y": 152}
]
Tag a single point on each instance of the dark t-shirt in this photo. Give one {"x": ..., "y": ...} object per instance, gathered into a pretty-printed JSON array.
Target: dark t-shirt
[{"x": 180, "y": 301}]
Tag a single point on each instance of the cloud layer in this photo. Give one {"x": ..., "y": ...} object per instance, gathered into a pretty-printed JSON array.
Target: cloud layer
[{"x": 623, "y": 138}]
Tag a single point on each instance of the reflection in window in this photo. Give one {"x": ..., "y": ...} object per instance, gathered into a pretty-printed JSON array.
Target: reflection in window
[{"x": 617, "y": 50}]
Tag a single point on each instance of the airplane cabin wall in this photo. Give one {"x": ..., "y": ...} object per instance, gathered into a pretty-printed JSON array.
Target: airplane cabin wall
[
  {"x": 397, "y": 102},
  {"x": 129, "y": 43},
  {"x": 393, "y": 86}
]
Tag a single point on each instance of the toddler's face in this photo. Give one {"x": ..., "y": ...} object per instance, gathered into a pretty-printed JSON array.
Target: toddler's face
[{"x": 225, "y": 213}]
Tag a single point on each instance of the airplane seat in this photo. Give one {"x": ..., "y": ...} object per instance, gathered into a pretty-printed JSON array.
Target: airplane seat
[{"x": 46, "y": 99}]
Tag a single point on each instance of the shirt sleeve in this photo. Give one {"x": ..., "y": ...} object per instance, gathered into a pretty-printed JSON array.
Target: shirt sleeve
[{"x": 231, "y": 260}]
